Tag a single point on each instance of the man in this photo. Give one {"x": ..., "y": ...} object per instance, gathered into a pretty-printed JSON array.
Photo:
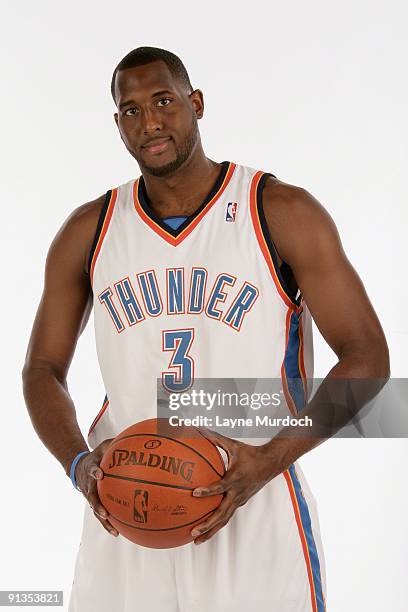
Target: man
[{"x": 232, "y": 262}]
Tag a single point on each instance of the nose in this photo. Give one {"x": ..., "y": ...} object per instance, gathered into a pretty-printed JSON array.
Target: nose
[{"x": 151, "y": 122}]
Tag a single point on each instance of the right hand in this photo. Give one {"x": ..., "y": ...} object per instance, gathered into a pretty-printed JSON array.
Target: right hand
[{"x": 87, "y": 472}]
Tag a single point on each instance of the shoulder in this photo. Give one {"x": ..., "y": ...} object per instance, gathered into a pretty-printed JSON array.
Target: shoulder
[
  {"x": 85, "y": 215},
  {"x": 294, "y": 217},
  {"x": 290, "y": 201},
  {"x": 77, "y": 233}
]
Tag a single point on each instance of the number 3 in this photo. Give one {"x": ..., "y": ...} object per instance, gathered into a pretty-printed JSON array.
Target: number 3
[{"x": 179, "y": 341}]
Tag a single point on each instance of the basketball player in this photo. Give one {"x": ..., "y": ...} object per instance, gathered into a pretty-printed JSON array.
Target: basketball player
[{"x": 234, "y": 263}]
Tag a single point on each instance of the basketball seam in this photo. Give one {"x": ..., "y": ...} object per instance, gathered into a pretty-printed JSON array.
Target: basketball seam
[
  {"x": 174, "y": 440},
  {"x": 215, "y": 446},
  {"x": 151, "y": 482},
  {"x": 164, "y": 528}
]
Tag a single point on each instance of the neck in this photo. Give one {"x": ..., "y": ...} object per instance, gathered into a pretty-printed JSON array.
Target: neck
[{"x": 182, "y": 192}]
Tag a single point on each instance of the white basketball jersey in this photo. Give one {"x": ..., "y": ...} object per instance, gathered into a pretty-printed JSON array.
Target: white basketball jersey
[{"x": 205, "y": 301}]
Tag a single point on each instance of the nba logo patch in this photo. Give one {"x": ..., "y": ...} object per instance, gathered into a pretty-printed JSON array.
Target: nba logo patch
[
  {"x": 140, "y": 506},
  {"x": 231, "y": 211}
]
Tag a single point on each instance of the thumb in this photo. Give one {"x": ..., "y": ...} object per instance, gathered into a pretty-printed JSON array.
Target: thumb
[
  {"x": 227, "y": 444},
  {"x": 95, "y": 471}
]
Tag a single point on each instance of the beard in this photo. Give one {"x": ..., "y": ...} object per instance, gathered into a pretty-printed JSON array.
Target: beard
[{"x": 183, "y": 152}]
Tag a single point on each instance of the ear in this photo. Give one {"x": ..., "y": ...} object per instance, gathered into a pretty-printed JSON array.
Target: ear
[
  {"x": 116, "y": 118},
  {"x": 197, "y": 100}
]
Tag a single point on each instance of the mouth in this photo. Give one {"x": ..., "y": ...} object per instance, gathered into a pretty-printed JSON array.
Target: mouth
[{"x": 157, "y": 146}]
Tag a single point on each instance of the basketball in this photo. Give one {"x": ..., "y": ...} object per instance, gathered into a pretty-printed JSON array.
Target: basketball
[{"x": 150, "y": 471}]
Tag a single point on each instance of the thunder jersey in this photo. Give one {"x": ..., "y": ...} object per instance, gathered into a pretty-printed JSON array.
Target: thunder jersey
[{"x": 204, "y": 300}]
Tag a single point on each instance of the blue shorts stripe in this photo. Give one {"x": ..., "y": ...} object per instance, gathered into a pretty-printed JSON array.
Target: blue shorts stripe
[{"x": 307, "y": 528}]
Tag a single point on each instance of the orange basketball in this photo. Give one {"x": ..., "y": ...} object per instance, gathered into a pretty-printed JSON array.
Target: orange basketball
[{"x": 149, "y": 475}]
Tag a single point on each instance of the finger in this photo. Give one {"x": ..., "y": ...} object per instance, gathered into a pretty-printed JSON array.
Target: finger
[
  {"x": 94, "y": 459},
  {"x": 228, "y": 445},
  {"x": 223, "y": 513},
  {"x": 218, "y": 487},
  {"x": 106, "y": 525},
  {"x": 103, "y": 446},
  {"x": 209, "y": 534},
  {"x": 95, "y": 471},
  {"x": 206, "y": 535},
  {"x": 95, "y": 502},
  {"x": 225, "y": 443}
]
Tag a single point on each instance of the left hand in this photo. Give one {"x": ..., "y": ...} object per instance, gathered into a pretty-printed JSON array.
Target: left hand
[{"x": 249, "y": 469}]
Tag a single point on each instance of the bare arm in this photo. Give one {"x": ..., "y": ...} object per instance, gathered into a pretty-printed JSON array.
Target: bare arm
[
  {"x": 307, "y": 239},
  {"x": 62, "y": 315}
]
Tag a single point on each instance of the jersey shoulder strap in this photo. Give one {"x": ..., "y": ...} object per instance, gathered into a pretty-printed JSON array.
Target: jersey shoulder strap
[
  {"x": 284, "y": 271},
  {"x": 101, "y": 228}
]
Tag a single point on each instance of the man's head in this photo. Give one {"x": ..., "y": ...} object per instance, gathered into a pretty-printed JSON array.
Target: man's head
[{"x": 157, "y": 109}]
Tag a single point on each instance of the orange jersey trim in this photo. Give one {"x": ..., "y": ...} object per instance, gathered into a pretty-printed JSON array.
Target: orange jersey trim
[
  {"x": 169, "y": 238},
  {"x": 303, "y": 540},
  {"x": 98, "y": 416},
  {"x": 263, "y": 245},
  {"x": 300, "y": 360},
  {"x": 104, "y": 229}
]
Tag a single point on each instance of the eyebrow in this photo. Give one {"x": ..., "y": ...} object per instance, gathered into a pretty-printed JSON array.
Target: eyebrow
[{"x": 157, "y": 93}]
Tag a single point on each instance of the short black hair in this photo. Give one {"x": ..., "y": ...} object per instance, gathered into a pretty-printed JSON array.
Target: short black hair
[{"x": 146, "y": 55}]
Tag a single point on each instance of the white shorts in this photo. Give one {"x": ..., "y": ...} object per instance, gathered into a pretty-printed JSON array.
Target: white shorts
[{"x": 269, "y": 557}]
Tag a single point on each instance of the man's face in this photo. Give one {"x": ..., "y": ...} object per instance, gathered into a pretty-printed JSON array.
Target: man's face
[{"x": 157, "y": 118}]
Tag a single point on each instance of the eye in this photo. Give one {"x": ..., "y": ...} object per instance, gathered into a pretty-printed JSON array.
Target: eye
[
  {"x": 166, "y": 100},
  {"x": 128, "y": 112}
]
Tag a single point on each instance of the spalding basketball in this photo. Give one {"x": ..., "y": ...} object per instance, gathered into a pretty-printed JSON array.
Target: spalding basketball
[{"x": 150, "y": 472}]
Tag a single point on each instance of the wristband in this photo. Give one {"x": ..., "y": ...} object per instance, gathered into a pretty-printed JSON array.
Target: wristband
[{"x": 73, "y": 467}]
